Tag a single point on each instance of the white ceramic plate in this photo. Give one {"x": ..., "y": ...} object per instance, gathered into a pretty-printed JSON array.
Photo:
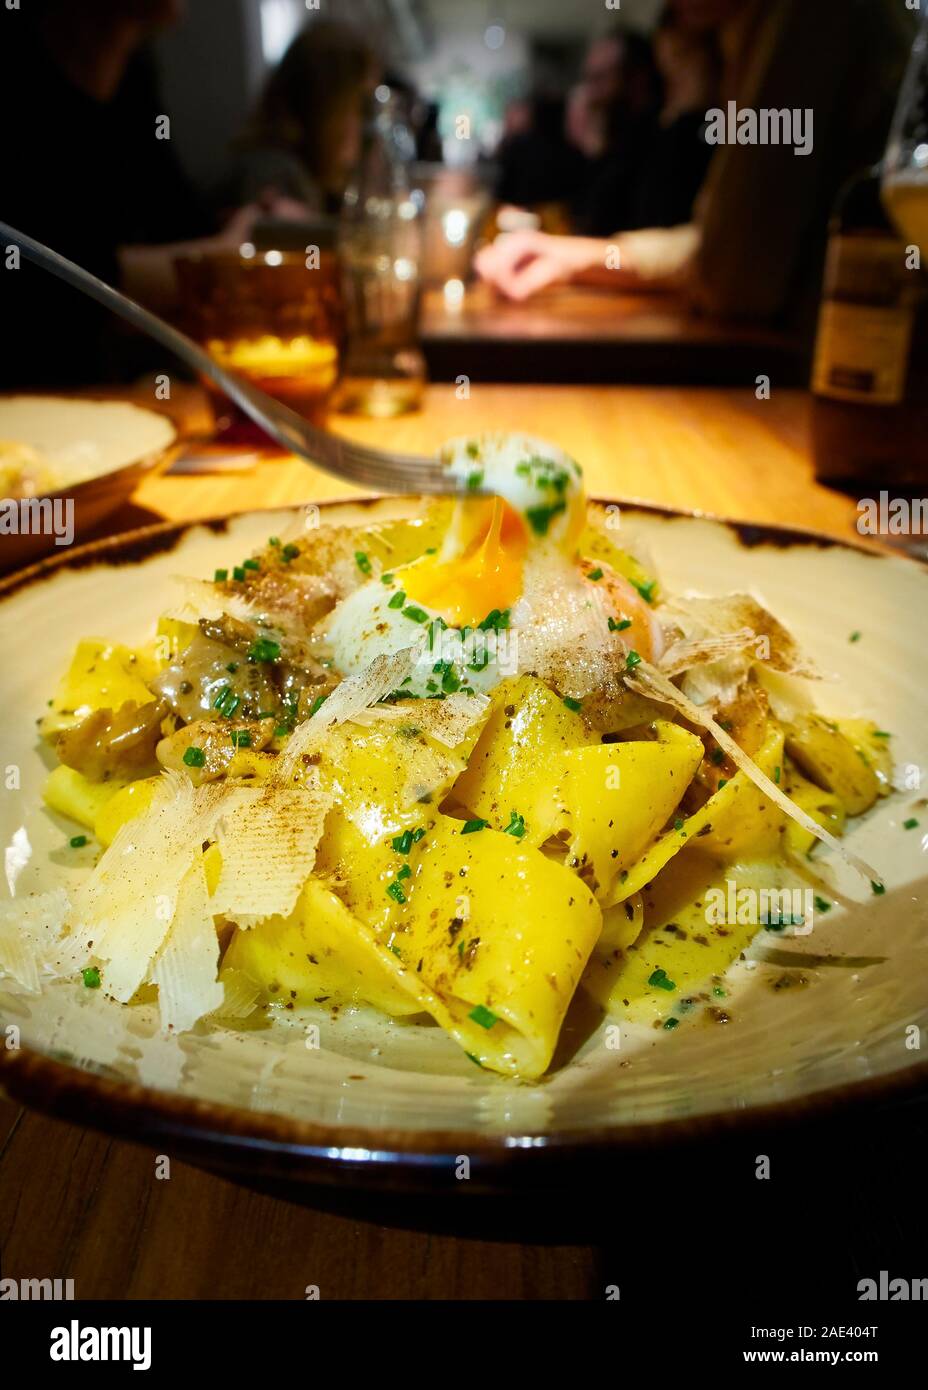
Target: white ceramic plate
[
  {"x": 380, "y": 1095},
  {"x": 99, "y": 448}
]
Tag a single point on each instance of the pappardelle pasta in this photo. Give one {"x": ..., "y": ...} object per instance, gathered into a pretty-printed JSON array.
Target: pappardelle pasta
[{"x": 470, "y": 765}]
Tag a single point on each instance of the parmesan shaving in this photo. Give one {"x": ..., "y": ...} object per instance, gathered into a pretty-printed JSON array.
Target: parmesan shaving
[
  {"x": 648, "y": 681},
  {"x": 384, "y": 675},
  {"x": 30, "y": 936},
  {"x": 18, "y": 957},
  {"x": 240, "y": 995},
  {"x": 694, "y": 651},
  {"x": 128, "y": 903},
  {"x": 201, "y": 598},
  {"x": 268, "y": 847},
  {"x": 185, "y": 970},
  {"x": 737, "y": 623}
]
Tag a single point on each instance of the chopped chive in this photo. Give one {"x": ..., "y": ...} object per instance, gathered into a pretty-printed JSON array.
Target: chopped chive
[
  {"x": 483, "y": 1016},
  {"x": 646, "y": 590},
  {"x": 718, "y": 756},
  {"x": 723, "y": 782},
  {"x": 516, "y": 826},
  {"x": 571, "y": 703},
  {"x": 91, "y": 977},
  {"x": 227, "y": 702},
  {"x": 671, "y": 1023},
  {"x": 776, "y": 775},
  {"x": 241, "y": 738},
  {"x": 678, "y": 824},
  {"x": 264, "y": 649},
  {"x": 414, "y": 613},
  {"x": 220, "y": 576},
  {"x": 238, "y": 573},
  {"x": 660, "y": 980},
  {"x": 405, "y": 872},
  {"x": 78, "y": 841},
  {"x": 881, "y": 733},
  {"x": 395, "y": 891},
  {"x": 274, "y": 541},
  {"x": 540, "y": 518},
  {"x": 403, "y": 843},
  {"x": 632, "y": 660},
  {"x": 398, "y": 599},
  {"x": 317, "y": 704},
  {"x": 878, "y": 888},
  {"x": 620, "y": 626},
  {"x": 232, "y": 667},
  {"x": 496, "y": 621},
  {"x": 910, "y": 824},
  {"x": 854, "y": 637},
  {"x": 719, "y": 992},
  {"x": 281, "y": 730},
  {"x": 290, "y": 552},
  {"x": 821, "y": 904},
  {"x": 362, "y": 561},
  {"x": 386, "y": 578},
  {"x": 475, "y": 479},
  {"x": 471, "y": 826},
  {"x": 595, "y": 575},
  {"x": 251, "y": 564},
  {"x": 194, "y": 757}
]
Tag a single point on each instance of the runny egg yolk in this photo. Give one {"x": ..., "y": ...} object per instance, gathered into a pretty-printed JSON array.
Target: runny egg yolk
[{"x": 478, "y": 570}]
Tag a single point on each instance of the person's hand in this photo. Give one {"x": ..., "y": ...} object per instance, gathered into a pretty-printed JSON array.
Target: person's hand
[{"x": 519, "y": 264}]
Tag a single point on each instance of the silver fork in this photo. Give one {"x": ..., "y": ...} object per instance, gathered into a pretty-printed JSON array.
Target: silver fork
[{"x": 369, "y": 468}]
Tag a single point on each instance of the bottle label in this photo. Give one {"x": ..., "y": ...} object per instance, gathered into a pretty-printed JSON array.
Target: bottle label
[
  {"x": 865, "y": 324},
  {"x": 862, "y": 353}
]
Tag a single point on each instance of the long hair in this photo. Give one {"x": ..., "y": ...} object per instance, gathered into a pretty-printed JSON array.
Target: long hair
[{"x": 321, "y": 76}]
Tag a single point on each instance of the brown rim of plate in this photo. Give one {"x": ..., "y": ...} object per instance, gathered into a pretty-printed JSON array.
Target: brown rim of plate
[
  {"x": 321, "y": 1151},
  {"x": 157, "y": 458}
]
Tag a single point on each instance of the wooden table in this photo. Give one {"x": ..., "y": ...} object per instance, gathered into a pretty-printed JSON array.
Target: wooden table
[
  {"x": 581, "y": 334},
  {"x": 77, "y": 1204},
  {"x": 722, "y": 451}
]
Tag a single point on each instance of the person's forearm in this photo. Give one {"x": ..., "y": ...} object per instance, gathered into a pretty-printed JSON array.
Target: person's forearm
[{"x": 650, "y": 260}]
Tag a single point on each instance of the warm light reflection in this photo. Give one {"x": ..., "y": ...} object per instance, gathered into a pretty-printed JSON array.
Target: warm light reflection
[{"x": 454, "y": 294}]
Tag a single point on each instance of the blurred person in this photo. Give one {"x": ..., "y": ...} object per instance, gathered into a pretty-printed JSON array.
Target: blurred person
[
  {"x": 611, "y": 119},
  {"x": 536, "y": 163},
  {"x": 689, "y": 66},
  {"x": 305, "y": 135},
  {"x": 82, "y": 170},
  {"x": 755, "y": 245}
]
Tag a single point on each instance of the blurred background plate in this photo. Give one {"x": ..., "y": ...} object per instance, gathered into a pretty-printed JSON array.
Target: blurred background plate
[{"x": 91, "y": 453}]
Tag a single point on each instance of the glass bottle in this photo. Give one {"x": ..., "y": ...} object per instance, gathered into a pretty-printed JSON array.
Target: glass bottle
[{"x": 379, "y": 243}]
